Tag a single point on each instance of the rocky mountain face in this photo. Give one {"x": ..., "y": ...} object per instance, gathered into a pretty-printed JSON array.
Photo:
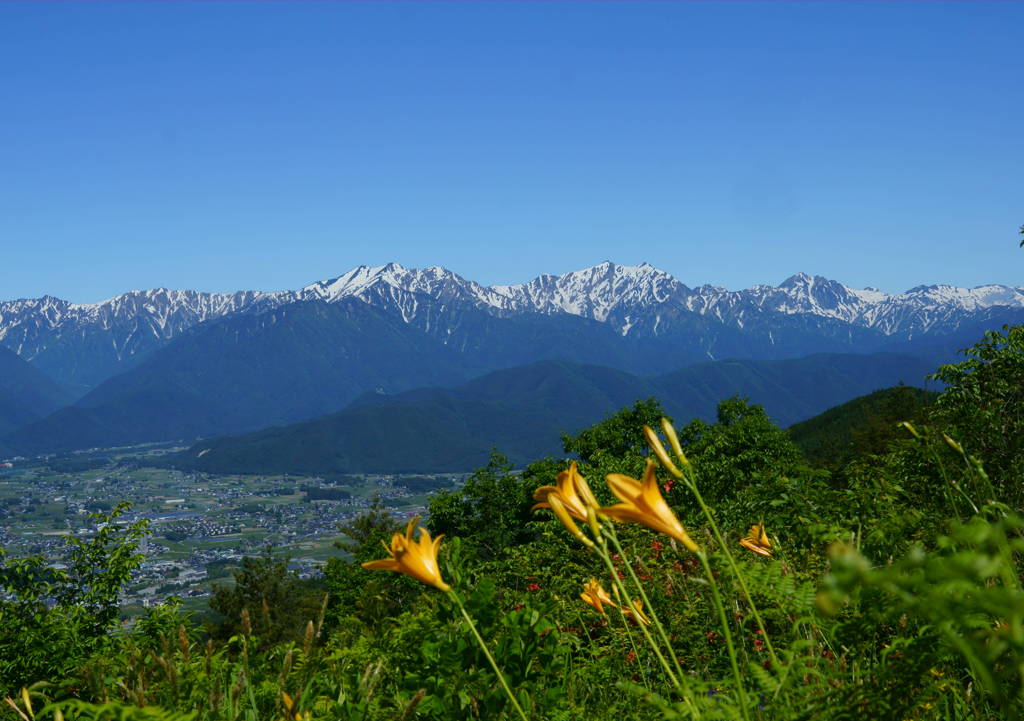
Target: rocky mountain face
[
  {"x": 164, "y": 365},
  {"x": 81, "y": 345}
]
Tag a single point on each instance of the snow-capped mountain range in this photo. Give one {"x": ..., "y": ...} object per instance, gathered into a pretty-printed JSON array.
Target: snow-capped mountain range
[{"x": 82, "y": 344}]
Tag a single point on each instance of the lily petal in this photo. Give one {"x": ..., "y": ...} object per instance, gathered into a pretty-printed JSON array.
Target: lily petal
[{"x": 643, "y": 503}]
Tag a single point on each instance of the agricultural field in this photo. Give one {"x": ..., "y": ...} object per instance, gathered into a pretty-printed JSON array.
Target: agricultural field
[{"x": 201, "y": 524}]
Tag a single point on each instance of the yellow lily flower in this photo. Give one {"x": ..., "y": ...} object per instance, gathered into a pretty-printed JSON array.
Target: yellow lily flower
[
  {"x": 572, "y": 490},
  {"x": 568, "y": 499},
  {"x": 635, "y": 611},
  {"x": 643, "y": 503},
  {"x": 659, "y": 450},
  {"x": 416, "y": 559},
  {"x": 757, "y": 541},
  {"x": 595, "y": 595}
]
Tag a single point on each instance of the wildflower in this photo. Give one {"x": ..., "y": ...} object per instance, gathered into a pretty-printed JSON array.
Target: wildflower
[
  {"x": 757, "y": 541},
  {"x": 416, "y": 559},
  {"x": 532, "y": 587},
  {"x": 595, "y": 595},
  {"x": 659, "y": 450},
  {"x": 657, "y": 547},
  {"x": 635, "y": 611},
  {"x": 909, "y": 427},
  {"x": 568, "y": 499},
  {"x": 952, "y": 444},
  {"x": 572, "y": 491},
  {"x": 643, "y": 503}
]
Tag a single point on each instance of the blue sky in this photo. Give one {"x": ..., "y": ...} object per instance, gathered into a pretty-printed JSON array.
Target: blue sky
[{"x": 222, "y": 146}]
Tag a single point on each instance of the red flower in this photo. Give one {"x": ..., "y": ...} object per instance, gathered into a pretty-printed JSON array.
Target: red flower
[
  {"x": 532, "y": 587},
  {"x": 657, "y": 546}
]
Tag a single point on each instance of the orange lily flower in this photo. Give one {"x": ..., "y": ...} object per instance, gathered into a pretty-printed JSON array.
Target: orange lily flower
[
  {"x": 595, "y": 595},
  {"x": 568, "y": 499},
  {"x": 643, "y": 503},
  {"x": 635, "y": 611},
  {"x": 572, "y": 490},
  {"x": 416, "y": 559},
  {"x": 757, "y": 541}
]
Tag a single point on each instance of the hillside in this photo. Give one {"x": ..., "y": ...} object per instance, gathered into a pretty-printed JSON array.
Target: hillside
[
  {"x": 523, "y": 411},
  {"x": 861, "y": 426},
  {"x": 26, "y": 393}
]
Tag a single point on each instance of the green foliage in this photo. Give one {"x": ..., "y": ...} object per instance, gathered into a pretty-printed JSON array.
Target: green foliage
[
  {"x": 72, "y": 608},
  {"x": 965, "y": 595},
  {"x": 354, "y": 592},
  {"x": 368, "y": 532},
  {"x": 865, "y": 425},
  {"x": 493, "y": 507},
  {"x": 742, "y": 449},
  {"x": 892, "y": 591},
  {"x": 273, "y": 599},
  {"x": 983, "y": 407}
]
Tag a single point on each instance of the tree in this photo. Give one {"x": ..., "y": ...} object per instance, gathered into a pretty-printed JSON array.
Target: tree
[
  {"x": 368, "y": 531},
  {"x": 492, "y": 508},
  {"x": 617, "y": 436},
  {"x": 743, "y": 447},
  {"x": 983, "y": 406},
  {"x": 369, "y": 596},
  {"x": 277, "y": 602},
  {"x": 51, "y": 618}
]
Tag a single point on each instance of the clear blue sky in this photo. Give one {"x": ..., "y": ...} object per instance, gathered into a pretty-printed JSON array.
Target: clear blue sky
[{"x": 268, "y": 145}]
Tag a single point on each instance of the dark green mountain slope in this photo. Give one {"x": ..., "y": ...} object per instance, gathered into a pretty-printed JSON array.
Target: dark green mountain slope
[
  {"x": 26, "y": 393},
  {"x": 303, "y": 360},
  {"x": 864, "y": 425},
  {"x": 247, "y": 372},
  {"x": 790, "y": 390},
  {"x": 523, "y": 411}
]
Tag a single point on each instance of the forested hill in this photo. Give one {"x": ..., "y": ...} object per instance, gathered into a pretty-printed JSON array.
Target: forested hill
[
  {"x": 861, "y": 426},
  {"x": 523, "y": 411}
]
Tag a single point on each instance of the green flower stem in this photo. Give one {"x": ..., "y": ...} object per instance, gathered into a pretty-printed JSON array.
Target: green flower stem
[
  {"x": 717, "y": 596},
  {"x": 487, "y": 652},
  {"x": 643, "y": 595},
  {"x": 601, "y": 549},
  {"x": 691, "y": 483},
  {"x": 603, "y": 553},
  {"x": 632, "y": 644}
]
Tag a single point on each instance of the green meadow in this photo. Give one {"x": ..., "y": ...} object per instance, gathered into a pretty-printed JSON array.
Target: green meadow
[{"x": 863, "y": 565}]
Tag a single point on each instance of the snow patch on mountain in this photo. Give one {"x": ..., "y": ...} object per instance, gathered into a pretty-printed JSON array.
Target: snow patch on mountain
[{"x": 630, "y": 298}]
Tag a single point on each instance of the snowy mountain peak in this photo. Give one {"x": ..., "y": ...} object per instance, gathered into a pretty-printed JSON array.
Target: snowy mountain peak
[
  {"x": 594, "y": 292},
  {"x": 797, "y": 280},
  {"x": 365, "y": 281},
  {"x": 632, "y": 299}
]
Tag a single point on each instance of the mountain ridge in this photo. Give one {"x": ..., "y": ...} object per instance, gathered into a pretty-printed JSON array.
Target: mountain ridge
[
  {"x": 523, "y": 410},
  {"x": 81, "y": 345}
]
